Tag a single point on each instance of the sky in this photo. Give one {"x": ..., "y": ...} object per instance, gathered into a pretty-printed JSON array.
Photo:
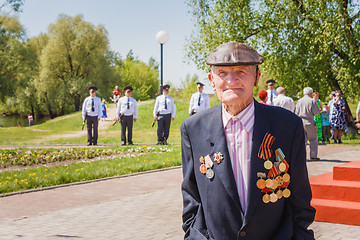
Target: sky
[{"x": 131, "y": 24}]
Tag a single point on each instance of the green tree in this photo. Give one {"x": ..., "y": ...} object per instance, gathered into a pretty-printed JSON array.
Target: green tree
[
  {"x": 75, "y": 56},
  {"x": 144, "y": 78},
  {"x": 304, "y": 42}
]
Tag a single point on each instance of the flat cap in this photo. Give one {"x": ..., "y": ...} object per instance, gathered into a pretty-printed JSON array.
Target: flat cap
[
  {"x": 92, "y": 87},
  {"x": 165, "y": 87},
  {"x": 270, "y": 81},
  {"x": 234, "y": 54},
  {"x": 128, "y": 88}
]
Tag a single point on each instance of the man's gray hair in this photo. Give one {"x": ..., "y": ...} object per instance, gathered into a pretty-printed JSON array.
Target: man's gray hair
[
  {"x": 307, "y": 91},
  {"x": 280, "y": 90}
]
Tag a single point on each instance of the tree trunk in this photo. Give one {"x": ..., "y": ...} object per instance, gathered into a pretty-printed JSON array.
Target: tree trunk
[{"x": 48, "y": 105}]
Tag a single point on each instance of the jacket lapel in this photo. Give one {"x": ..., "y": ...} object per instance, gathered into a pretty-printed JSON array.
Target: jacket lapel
[
  {"x": 261, "y": 127},
  {"x": 217, "y": 142}
]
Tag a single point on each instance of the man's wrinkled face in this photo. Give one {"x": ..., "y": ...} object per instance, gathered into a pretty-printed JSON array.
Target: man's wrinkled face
[{"x": 234, "y": 84}]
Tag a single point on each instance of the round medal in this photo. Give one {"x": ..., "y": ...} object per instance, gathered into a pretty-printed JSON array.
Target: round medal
[
  {"x": 273, "y": 197},
  {"x": 261, "y": 183},
  {"x": 268, "y": 164},
  {"x": 268, "y": 183},
  {"x": 282, "y": 167},
  {"x": 203, "y": 168},
  {"x": 286, "y": 193},
  {"x": 279, "y": 193},
  {"x": 279, "y": 180},
  {"x": 210, "y": 173},
  {"x": 275, "y": 184},
  {"x": 286, "y": 177},
  {"x": 266, "y": 198}
]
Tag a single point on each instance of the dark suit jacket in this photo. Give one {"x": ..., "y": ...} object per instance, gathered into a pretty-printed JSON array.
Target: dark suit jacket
[{"x": 212, "y": 207}]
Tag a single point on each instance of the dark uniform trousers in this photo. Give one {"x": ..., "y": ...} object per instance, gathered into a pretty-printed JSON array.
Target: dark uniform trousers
[
  {"x": 164, "y": 121},
  {"x": 92, "y": 124},
  {"x": 126, "y": 122}
]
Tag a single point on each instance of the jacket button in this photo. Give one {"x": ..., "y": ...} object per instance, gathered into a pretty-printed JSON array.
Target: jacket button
[{"x": 242, "y": 234}]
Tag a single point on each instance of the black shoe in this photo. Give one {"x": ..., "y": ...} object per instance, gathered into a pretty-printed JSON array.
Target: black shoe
[
  {"x": 335, "y": 141},
  {"x": 95, "y": 144},
  {"x": 159, "y": 143},
  {"x": 123, "y": 143},
  {"x": 339, "y": 142},
  {"x": 328, "y": 141},
  {"x": 130, "y": 143},
  {"x": 88, "y": 144},
  {"x": 165, "y": 142}
]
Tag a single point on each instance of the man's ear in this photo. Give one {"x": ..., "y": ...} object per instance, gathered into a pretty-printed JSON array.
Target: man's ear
[
  {"x": 212, "y": 82},
  {"x": 258, "y": 74}
]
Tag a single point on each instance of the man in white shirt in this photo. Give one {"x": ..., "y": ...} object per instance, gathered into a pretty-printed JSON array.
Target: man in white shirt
[
  {"x": 283, "y": 101},
  {"x": 358, "y": 112},
  {"x": 127, "y": 111},
  {"x": 199, "y": 101},
  {"x": 271, "y": 92},
  {"x": 164, "y": 112},
  {"x": 91, "y": 110}
]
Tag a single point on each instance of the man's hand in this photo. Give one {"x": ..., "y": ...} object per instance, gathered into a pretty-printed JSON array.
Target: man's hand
[
  {"x": 134, "y": 119},
  {"x": 98, "y": 119},
  {"x": 118, "y": 118},
  {"x": 155, "y": 118},
  {"x": 172, "y": 119}
]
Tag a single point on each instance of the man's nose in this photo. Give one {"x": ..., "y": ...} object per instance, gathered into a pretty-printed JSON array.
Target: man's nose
[{"x": 232, "y": 78}]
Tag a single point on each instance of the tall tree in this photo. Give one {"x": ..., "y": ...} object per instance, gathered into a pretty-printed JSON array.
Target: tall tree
[
  {"x": 306, "y": 42},
  {"x": 76, "y": 56}
]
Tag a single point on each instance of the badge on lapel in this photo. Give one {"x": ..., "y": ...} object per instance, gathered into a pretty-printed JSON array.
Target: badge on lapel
[
  {"x": 277, "y": 180},
  {"x": 207, "y": 164}
]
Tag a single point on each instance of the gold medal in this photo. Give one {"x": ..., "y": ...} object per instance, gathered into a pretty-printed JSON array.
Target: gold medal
[
  {"x": 268, "y": 183},
  {"x": 266, "y": 198},
  {"x": 202, "y": 160},
  {"x": 275, "y": 184},
  {"x": 203, "y": 168},
  {"x": 268, "y": 164},
  {"x": 282, "y": 167},
  {"x": 286, "y": 193},
  {"x": 286, "y": 178},
  {"x": 279, "y": 180},
  {"x": 273, "y": 197},
  {"x": 279, "y": 193},
  {"x": 261, "y": 183}
]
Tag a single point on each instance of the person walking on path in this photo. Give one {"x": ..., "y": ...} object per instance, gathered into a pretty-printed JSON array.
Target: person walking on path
[
  {"x": 116, "y": 96},
  {"x": 358, "y": 112},
  {"x": 31, "y": 120},
  {"x": 338, "y": 122},
  {"x": 199, "y": 101},
  {"x": 271, "y": 92},
  {"x": 103, "y": 108},
  {"x": 306, "y": 109},
  {"x": 91, "y": 110},
  {"x": 164, "y": 112},
  {"x": 317, "y": 118},
  {"x": 284, "y": 101},
  {"x": 325, "y": 123},
  {"x": 127, "y": 112},
  {"x": 229, "y": 152}
]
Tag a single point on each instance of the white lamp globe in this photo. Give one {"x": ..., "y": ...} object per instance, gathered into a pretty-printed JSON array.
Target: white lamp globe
[{"x": 162, "y": 37}]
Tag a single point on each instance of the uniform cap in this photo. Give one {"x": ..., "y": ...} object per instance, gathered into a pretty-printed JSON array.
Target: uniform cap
[
  {"x": 128, "y": 88},
  {"x": 200, "y": 84},
  {"x": 165, "y": 87},
  {"x": 270, "y": 81},
  {"x": 234, "y": 54},
  {"x": 92, "y": 87}
]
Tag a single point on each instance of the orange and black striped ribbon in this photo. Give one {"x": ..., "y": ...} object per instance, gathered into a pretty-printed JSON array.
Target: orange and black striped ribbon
[{"x": 265, "y": 151}]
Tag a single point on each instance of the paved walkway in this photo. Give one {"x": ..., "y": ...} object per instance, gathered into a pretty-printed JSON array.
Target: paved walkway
[{"x": 145, "y": 206}]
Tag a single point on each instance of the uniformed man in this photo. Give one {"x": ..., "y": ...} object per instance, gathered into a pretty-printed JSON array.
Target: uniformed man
[
  {"x": 199, "y": 101},
  {"x": 271, "y": 92},
  {"x": 164, "y": 112},
  {"x": 126, "y": 113},
  {"x": 91, "y": 110}
]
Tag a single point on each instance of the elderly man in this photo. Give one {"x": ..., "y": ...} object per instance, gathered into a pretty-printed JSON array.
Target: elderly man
[
  {"x": 271, "y": 92},
  {"x": 237, "y": 160},
  {"x": 91, "y": 110},
  {"x": 283, "y": 101},
  {"x": 199, "y": 101},
  {"x": 306, "y": 108}
]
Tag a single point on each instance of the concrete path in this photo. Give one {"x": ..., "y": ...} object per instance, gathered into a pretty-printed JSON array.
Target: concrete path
[{"x": 146, "y": 206}]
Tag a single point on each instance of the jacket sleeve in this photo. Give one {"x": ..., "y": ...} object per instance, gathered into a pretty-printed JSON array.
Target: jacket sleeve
[
  {"x": 191, "y": 198},
  {"x": 303, "y": 213}
]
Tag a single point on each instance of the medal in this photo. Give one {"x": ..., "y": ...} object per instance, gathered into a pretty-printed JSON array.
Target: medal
[
  {"x": 261, "y": 183},
  {"x": 282, "y": 167},
  {"x": 279, "y": 193},
  {"x": 266, "y": 198},
  {"x": 218, "y": 157},
  {"x": 275, "y": 184},
  {"x": 210, "y": 173},
  {"x": 202, "y": 160},
  {"x": 286, "y": 193},
  {"x": 279, "y": 180},
  {"x": 208, "y": 162},
  {"x": 286, "y": 178},
  {"x": 203, "y": 168},
  {"x": 268, "y": 183},
  {"x": 273, "y": 197},
  {"x": 268, "y": 164}
]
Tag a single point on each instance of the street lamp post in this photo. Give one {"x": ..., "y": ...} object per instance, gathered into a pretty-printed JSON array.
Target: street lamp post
[{"x": 162, "y": 37}]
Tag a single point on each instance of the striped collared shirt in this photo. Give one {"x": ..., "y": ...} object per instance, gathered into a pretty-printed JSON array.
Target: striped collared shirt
[{"x": 238, "y": 132}]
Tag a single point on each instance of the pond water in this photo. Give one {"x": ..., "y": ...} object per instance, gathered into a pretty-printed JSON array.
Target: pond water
[{"x": 12, "y": 121}]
